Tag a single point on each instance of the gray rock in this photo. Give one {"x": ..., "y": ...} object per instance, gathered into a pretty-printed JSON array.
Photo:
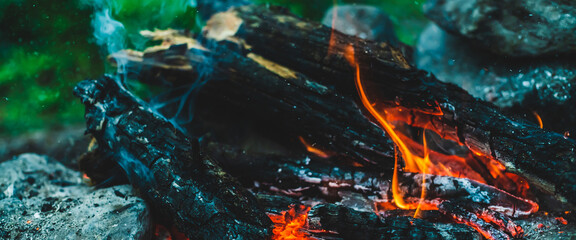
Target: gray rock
[
  {"x": 363, "y": 21},
  {"x": 42, "y": 199},
  {"x": 510, "y": 27},
  {"x": 544, "y": 85},
  {"x": 65, "y": 144}
]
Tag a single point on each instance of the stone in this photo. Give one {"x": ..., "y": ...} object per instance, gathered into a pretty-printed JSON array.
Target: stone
[
  {"x": 544, "y": 85},
  {"x": 363, "y": 21},
  {"x": 42, "y": 199},
  {"x": 510, "y": 27},
  {"x": 65, "y": 144}
]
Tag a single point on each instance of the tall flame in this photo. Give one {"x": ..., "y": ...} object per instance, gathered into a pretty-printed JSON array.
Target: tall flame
[
  {"x": 419, "y": 158},
  {"x": 411, "y": 160}
]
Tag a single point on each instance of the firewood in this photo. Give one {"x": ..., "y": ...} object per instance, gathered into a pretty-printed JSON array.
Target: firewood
[
  {"x": 288, "y": 174},
  {"x": 545, "y": 159},
  {"x": 464, "y": 216},
  {"x": 278, "y": 99},
  {"x": 481, "y": 218},
  {"x": 351, "y": 224},
  {"x": 167, "y": 168}
]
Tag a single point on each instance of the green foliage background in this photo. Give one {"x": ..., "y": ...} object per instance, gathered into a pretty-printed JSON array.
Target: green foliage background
[{"x": 46, "y": 47}]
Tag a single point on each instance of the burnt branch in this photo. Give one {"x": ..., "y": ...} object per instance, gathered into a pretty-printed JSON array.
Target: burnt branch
[
  {"x": 351, "y": 224},
  {"x": 249, "y": 90},
  {"x": 167, "y": 167}
]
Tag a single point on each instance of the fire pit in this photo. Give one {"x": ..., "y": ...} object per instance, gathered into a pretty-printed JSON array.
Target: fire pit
[{"x": 275, "y": 127}]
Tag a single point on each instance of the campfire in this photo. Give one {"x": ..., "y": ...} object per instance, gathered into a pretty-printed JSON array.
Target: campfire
[{"x": 269, "y": 126}]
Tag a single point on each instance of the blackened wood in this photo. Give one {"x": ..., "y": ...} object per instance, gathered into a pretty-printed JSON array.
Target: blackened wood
[
  {"x": 299, "y": 175},
  {"x": 275, "y": 203},
  {"x": 288, "y": 174},
  {"x": 463, "y": 216},
  {"x": 503, "y": 222},
  {"x": 441, "y": 188},
  {"x": 167, "y": 167},
  {"x": 279, "y": 100},
  {"x": 351, "y": 224},
  {"x": 545, "y": 158}
]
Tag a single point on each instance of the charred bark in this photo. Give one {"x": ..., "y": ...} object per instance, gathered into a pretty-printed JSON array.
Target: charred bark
[
  {"x": 545, "y": 158},
  {"x": 249, "y": 90},
  {"x": 351, "y": 224},
  {"x": 492, "y": 225},
  {"x": 299, "y": 176},
  {"x": 167, "y": 167}
]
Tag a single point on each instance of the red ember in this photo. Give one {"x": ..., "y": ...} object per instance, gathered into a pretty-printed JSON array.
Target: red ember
[
  {"x": 162, "y": 233},
  {"x": 289, "y": 224}
]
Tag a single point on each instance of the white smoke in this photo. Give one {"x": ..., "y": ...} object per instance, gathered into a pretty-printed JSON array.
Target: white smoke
[
  {"x": 113, "y": 36},
  {"x": 109, "y": 34}
]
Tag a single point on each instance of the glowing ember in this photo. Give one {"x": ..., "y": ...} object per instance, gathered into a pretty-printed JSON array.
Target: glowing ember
[
  {"x": 561, "y": 220},
  {"x": 289, "y": 224},
  {"x": 163, "y": 233},
  {"x": 311, "y": 149}
]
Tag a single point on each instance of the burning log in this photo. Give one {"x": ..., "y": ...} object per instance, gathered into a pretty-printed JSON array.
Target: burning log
[
  {"x": 414, "y": 97},
  {"x": 481, "y": 220},
  {"x": 278, "y": 98},
  {"x": 167, "y": 167},
  {"x": 295, "y": 176}
]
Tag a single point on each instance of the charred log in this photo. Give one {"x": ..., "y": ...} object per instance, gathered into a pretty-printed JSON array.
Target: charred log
[
  {"x": 167, "y": 167},
  {"x": 298, "y": 177},
  {"x": 251, "y": 90},
  {"x": 351, "y": 224},
  {"x": 464, "y": 216},
  {"x": 545, "y": 158},
  {"x": 475, "y": 215}
]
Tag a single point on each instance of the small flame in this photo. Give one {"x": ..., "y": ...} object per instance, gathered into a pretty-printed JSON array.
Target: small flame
[
  {"x": 539, "y": 119},
  {"x": 311, "y": 149},
  {"x": 289, "y": 224}
]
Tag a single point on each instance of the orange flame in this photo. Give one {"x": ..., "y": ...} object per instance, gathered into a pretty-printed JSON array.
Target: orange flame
[
  {"x": 289, "y": 224},
  {"x": 419, "y": 158},
  {"x": 311, "y": 149},
  {"x": 411, "y": 160},
  {"x": 539, "y": 119}
]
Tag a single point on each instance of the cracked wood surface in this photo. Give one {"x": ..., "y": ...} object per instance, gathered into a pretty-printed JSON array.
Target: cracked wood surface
[{"x": 167, "y": 167}]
